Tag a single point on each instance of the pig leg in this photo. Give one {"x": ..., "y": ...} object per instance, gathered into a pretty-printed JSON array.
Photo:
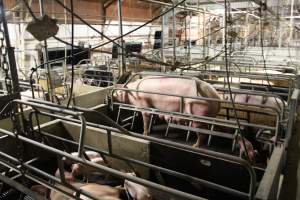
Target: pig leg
[
  {"x": 200, "y": 140},
  {"x": 251, "y": 152},
  {"x": 200, "y": 137},
  {"x": 146, "y": 120}
]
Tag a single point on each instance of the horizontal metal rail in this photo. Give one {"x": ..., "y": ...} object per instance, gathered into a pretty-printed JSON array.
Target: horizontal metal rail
[
  {"x": 289, "y": 78},
  {"x": 64, "y": 111},
  {"x": 201, "y": 151},
  {"x": 98, "y": 167},
  {"x": 276, "y": 110},
  {"x": 157, "y": 168},
  {"x": 204, "y": 119}
]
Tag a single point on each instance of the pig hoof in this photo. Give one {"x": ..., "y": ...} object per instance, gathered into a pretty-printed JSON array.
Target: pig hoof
[
  {"x": 196, "y": 145},
  {"x": 146, "y": 133}
]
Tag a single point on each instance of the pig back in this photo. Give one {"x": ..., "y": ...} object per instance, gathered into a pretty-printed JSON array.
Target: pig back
[
  {"x": 174, "y": 86},
  {"x": 255, "y": 114}
]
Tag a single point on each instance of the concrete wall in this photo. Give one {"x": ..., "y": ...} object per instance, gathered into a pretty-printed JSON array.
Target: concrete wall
[{"x": 122, "y": 145}]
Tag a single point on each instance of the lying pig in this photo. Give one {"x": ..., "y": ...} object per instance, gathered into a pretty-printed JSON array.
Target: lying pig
[
  {"x": 256, "y": 118},
  {"x": 79, "y": 169},
  {"x": 173, "y": 86},
  {"x": 137, "y": 191},
  {"x": 100, "y": 191}
]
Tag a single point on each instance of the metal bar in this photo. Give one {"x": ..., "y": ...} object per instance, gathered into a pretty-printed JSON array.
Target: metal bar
[
  {"x": 109, "y": 142},
  {"x": 50, "y": 108},
  {"x": 121, "y": 50},
  {"x": 199, "y": 98},
  {"x": 170, "y": 5},
  {"x": 99, "y": 126},
  {"x": 81, "y": 136},
  {"x": 99, "y": 167},
  {"x": 216, "y": 121},
  {"x": 205, "y": 152},
  {"x": 291, "y": 121},
  {"x": 46, "y": 56},
  {"x": 202, "y": 131},
  {"x": 20, "y": 187},
  {"x": 174, "y": 32},
  {"x": 161, "y": 169},
  {"x": 61, "y": 169},
  {"x": 11, "y": 54},
  {"x": 217, "y": 73}
]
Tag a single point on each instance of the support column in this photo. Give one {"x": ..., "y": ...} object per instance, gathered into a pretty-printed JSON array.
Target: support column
[
  {"x": 121, "y": 50},
  {"x": 174, "y": 33},
  {"x": 46, "y": 56}
]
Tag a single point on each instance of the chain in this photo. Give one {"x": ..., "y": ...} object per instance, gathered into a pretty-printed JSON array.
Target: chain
[
  {"x": 4, "y": 63},
  {"x": 7, "y": 78}
]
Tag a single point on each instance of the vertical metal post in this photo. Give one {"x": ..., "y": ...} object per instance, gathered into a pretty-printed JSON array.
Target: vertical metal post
[
  {"x": 190, "y": 39},
  {"x": 247, "y": 30},
  {"x": 291, "y": 22},
  {"x": 174, "y": 33},
  {"x": 121, "y": 50},
  {"x": 203, "y": 38},
  {"x": 66, "y": 47},
  {"x": 223, "y": 30},
  {"x": 10, "y": 53},
  {"x": 209, "y": 37},
  {"x": 259, "y": 25},
  {"x": 162, "y": 55},
  {"x": 46, "y": 56}
]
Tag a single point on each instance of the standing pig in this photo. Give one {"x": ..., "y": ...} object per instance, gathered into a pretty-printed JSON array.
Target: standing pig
[{"x": 173, "y": 86}]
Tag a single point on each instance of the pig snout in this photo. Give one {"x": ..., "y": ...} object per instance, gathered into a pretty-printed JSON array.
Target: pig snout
[
  {"x": 82, "y": 170},
  {"x": 119, "y": 96},
  {"x": 68, "y": 176}
]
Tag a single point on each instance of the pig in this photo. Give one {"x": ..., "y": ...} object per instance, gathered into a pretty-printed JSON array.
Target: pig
[
  {"x": 174, "y": 86},
  {"x": 137, "y": 191},
  {"x": 100, "y": 191},
  {"x": 41, "y": 190},
  {"x": 79, "y": 169},
  {"x": 255, "y": 118}
]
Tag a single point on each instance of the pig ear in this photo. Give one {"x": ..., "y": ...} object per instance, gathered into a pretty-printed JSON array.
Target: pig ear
[{"x": 119, "y": 85}]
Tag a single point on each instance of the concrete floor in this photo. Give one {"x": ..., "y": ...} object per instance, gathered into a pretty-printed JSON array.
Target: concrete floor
[{"x": 291, "y": 184}]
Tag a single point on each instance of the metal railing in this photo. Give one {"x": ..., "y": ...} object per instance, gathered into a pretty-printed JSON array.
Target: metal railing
[{"x": 37, "y": 104}]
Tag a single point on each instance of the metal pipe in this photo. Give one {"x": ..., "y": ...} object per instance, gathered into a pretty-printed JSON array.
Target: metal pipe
[
  {"x": 11, "y": 55},
  {"x": 170, "y": 5},
  {"x": 121, "y": 50},
  {"x": 81, "y": 136},
  {"x": 99, "y": 167},
  {"x": 209, "y": 120},
  {"x": 20, "y": 187},
  {"x": 174, "y": 33},
  {"x": 276, "y": 110},
  {"x": 161, "y": 169},
  {"x": 46, "y": 56},
  {"x": 184, "y": 147},
  {"x": 50, "y": 108}
]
